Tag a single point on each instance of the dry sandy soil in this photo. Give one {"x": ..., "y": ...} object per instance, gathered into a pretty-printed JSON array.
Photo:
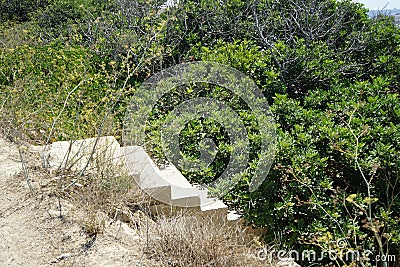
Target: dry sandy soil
[{"x": 32, "y": 232}]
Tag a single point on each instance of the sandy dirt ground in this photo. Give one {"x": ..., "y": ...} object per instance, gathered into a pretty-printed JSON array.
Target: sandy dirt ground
[{"x": 32, "y": 232}]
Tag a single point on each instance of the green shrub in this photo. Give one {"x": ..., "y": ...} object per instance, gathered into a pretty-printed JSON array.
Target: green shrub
[
  {"x": 338, "y": 143},
  {"x": 336, "y": 172},
  {"x": 19, "y": 10}
]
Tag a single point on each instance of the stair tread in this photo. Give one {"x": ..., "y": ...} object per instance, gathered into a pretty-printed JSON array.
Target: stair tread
[{"x": 168, "y": 185}]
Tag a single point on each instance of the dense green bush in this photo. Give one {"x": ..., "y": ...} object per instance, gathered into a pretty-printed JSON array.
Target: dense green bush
[
  {"x": 19, "y": 10},
  {"x": 338, "y": 143},
  {"x": 336, "y": 174}
]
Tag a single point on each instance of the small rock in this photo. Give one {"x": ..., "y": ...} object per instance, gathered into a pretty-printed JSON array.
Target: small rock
[{"x": 61, "y": 257}]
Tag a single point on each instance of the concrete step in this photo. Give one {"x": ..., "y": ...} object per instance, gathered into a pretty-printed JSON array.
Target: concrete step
[
  {"x": 140, "y": 164},
  {"x": 161, "y": 193},
  {"x": 167, "y": 185},
  {"x": 181, "y": 193},
  {"x": 175, "y": 177},
  {"x": 233, "y": 216},
  {"x": 75, "y": 154},
  {"x": 185, "y": 197}
]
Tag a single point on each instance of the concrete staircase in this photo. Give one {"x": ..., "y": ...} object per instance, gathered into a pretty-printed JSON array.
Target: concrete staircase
[{"x": 168, "y": 187}]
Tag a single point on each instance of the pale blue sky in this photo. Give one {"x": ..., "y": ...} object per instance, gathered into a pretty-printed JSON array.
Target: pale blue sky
[{"x": 379, "y": 4}]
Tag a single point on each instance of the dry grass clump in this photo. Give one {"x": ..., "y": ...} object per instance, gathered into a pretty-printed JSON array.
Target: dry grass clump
[
  {"x": 105, "y": 188},
  {"x": 185, "y": 240}
]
